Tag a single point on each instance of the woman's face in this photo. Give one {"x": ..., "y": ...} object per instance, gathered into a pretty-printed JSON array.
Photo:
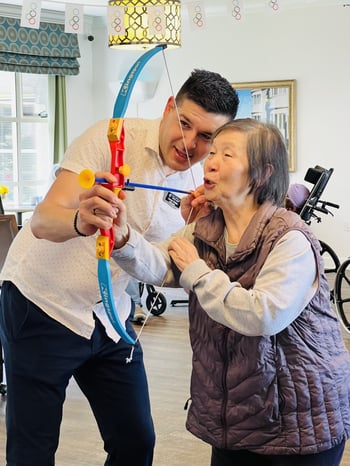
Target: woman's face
[{"x": 226, "y": 170}]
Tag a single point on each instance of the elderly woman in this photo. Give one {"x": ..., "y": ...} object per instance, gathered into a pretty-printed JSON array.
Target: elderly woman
[{"x": 271, "y": 375}]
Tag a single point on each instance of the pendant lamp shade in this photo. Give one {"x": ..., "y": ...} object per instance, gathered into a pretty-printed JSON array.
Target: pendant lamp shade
[{"x": 142, "y": 24}]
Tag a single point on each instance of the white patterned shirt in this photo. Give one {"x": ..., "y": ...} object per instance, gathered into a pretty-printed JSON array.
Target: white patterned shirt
[{"x": 61, "y": 278}]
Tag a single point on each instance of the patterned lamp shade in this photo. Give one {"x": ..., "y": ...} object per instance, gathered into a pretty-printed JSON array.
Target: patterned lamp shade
[{"x": 142, "y": 24}]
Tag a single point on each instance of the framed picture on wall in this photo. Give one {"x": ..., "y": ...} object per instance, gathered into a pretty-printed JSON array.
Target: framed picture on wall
[{"x": 271, "y": 102}]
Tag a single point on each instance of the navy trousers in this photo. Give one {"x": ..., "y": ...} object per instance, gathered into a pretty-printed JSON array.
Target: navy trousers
[
  {"x": 330, "y": 457},
  {"x": 41, "y": 356}
]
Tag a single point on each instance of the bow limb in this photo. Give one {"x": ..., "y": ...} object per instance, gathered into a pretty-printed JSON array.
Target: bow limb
[{"x": 105, "y": 241}]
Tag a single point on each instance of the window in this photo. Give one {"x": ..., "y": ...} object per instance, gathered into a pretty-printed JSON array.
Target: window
[{"x": 25, "y": 146}]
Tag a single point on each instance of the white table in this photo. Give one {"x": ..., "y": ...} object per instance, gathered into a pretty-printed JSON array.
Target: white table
[{"x": 19, "y": 210}]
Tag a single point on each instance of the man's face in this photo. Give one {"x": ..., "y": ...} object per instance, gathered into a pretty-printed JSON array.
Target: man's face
[{"x": 185, "y": 137}]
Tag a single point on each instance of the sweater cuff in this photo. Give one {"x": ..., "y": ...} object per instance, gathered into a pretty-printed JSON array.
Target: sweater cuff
[
  {"x": 128, "y": 250},
  {"x": 193, "y": 273}
]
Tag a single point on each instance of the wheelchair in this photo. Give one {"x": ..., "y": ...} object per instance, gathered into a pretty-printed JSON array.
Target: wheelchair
[
  {"x": 156, "y": 301},
  {"x": 312, "y": 209},
  {"x": 340, "y": 294}
]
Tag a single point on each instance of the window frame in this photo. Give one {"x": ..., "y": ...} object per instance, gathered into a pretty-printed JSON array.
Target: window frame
[{"x": 18, "y": 185}]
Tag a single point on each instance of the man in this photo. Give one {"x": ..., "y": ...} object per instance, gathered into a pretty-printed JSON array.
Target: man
[{"x": 51, "y": 327}]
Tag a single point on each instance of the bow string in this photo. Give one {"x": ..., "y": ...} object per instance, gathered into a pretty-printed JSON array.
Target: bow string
[{"x": 105, "y": 241}]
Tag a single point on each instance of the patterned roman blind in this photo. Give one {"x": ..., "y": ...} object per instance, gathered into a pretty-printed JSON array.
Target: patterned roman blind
[{"x": 47, "y": 50}]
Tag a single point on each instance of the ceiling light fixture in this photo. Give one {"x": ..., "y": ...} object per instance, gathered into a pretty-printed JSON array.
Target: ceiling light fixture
[{"x": 142, "y": 24}]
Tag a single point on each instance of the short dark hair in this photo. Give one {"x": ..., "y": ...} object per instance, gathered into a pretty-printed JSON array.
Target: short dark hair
[
  {"x": 266, "y": 149},
  {"x": 210, "y": 91}
]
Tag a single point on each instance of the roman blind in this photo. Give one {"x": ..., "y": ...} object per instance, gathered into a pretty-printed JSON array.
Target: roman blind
[{"x": 47, "y": 50}]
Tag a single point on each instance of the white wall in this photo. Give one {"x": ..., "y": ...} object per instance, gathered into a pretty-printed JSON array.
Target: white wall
[
  {"x": 309, "y": 44},
  {"x": 80, "y": 92}
]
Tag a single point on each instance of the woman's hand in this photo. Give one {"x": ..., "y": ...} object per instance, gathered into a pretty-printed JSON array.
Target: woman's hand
[
  {"x": 195, "y": 205},
  {"x": 182, "y": 252}
]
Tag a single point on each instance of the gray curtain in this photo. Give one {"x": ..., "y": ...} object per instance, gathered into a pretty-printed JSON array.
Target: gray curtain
[{"x": 58, "y": 108}]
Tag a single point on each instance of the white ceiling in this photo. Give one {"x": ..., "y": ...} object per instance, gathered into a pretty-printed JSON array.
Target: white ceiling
[
  {"x": 213, "y": 7},
  {"x": 91, "y": 7}
]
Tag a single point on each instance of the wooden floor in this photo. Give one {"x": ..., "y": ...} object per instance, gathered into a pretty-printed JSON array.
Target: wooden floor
[{"x": 168, "y": 361}]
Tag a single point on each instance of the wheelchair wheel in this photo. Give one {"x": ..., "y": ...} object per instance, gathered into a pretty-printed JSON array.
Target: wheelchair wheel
[
  {"x": 330, "y": 258},
  {"x": 332, "y": 264},
  {"x": 155, "y": 301},
  {"x": 342, "y": 294}
]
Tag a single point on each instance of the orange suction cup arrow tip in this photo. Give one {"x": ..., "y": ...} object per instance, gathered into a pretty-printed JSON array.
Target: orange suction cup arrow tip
[
  {"x": 124, "y": 170},
  {"x": 86, "y": 178}
]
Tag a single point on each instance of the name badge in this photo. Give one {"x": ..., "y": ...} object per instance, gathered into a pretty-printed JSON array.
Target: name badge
[{"x": 171, "y": 199}]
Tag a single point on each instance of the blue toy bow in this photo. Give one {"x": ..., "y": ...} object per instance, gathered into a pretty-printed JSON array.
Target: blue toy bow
[{"x": 105, "y": 241}]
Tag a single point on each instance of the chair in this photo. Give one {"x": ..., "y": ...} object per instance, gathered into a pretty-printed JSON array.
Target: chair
[{"x": 8, "y": 230}]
